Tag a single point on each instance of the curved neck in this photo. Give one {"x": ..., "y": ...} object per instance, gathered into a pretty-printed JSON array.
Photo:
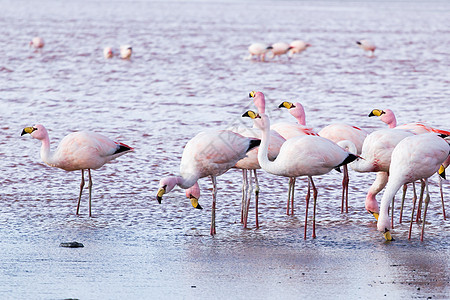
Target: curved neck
[
  {"x": 263, "y": 152},
  {"x": 185, "y": 182},
  {"x": 46, "y": 155}
]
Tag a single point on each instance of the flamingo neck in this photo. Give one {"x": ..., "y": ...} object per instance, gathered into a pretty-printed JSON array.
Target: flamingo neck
[
  {"x": 185, "y": 182},
  {"x": 46, "y": 154},
  {"x": 299, "y": 113},
  {"x": 263, "y": 152}
]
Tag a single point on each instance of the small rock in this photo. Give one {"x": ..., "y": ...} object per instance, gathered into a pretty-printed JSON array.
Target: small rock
[{"x": 71, "y": 245}]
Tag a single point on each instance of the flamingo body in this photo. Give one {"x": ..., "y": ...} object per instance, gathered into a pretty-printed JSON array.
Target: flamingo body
[
  {"x": 258, "y": 50},
  {"x": 298, "y": 46},
  {"x": 367, "y": 46},
  {"x": 125, "y": 51},
  {"x": 107, "y": 52},
  {"x": 280, "y": 48},
  {"x": 37, "y": 43}
]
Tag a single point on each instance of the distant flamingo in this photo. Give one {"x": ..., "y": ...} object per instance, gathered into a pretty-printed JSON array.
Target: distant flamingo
[
  {"x": 313, "y": 156},
  {"x": 125, "y": 51},
  {"x": 259, "y": 50},
  {"x": 209, "y": 153},
  {"x": 280, "y": 48},
  {"x": 415, "y": 157},
  {"x": 298, "y": 46},
  {"x": 107, "y": 52},
  {"x": 37, "y": 43},
  {"x": 367, "y": 46},
  {"x": 78, "y": 151}
]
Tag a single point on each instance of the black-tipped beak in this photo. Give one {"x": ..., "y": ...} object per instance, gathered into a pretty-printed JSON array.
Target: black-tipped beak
[
  {"x": 161, "y": 192},
  {"x": 23, "y": 132},
  {"x": 358, "y": 42}
]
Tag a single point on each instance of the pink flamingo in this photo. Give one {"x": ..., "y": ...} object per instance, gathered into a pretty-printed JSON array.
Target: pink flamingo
[
  {"x": 376, "y": 157},
  {"x": 298, "y": 46},
  {"x": 280, "y": 48},
  {"x": 367, "y": 46},
  {"x": 210, "y": 153},
  {"x": 387, "y": 116},
  {"x": 78, "y": 151},
  {"x": 314, "y": 155},
  {"x": 125, "y": 51},
  {"x": 250, "y": 163},
  {"x": 108, "y": 52},
  {"x": 414, "y": 158},
  {"x": 37, "y": 43},
  {"x": 259, "y": 50}
]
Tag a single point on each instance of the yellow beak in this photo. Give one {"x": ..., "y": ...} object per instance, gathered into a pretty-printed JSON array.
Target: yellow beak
[
  {"x": 286, "y": 104},
  {"x": 27, "y": 130},
  {"x": 194, "y": 202},
  {"x": 387, "y": 235},
  {"x": 160, "y": 193},
  {"x": 376, "y": 112},
  {"x": 441, "y": 171},
  {"x": 252, "y": 94},
  {"x": 251, "y": 114}
]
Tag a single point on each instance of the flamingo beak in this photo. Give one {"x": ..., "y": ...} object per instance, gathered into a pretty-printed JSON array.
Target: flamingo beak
[
  {"x": 161, "y": 192},
  {"x": 251, "y": 114},
  {"x": 286, "y": 104},
  {"x": 194, "y": 202},
  {"x": 375, "y": 214},
  {"x": 252, "y": 94},
  {"x": 376, "y": 112},
  {"x": 28, "y": 130},
  {"x": 441, "y": 171},
  {"x": 387, "y": 235}
]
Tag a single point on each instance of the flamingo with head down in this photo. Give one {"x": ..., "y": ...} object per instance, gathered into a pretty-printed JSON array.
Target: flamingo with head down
[
  {"x": 367, "y": 46},
  {"x": 313, "y": 155},
  {"x": 37, "y": 43},
  {"x": 78, "y": 151},
  {"x": 298, "y": 46},
  {"x": 414, "y": 158},
  {"x": 259, "y": 50},
  {"x": 280, "y": 48},
  {"x": 209, "y": 153}
]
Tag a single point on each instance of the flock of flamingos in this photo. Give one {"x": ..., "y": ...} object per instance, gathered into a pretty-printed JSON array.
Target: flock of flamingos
[{"x": 398, "y": 154}]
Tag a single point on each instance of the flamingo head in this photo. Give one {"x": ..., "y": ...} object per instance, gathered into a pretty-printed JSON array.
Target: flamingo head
[
  {"x": 259, "y": 100},
  {"x": 165, "y": 186},
  {"x": 387, "y": 116},
  {"x": 261, "y": 121},
  {"x": 296, "y": 110},
  {"x": 384, "y": 226},
  {"x": 193, "y": 193},
  {"x": 37, "y": 131}
]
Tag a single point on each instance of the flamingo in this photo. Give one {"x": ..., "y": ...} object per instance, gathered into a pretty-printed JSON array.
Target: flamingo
[
  {"x": 300, "y": 156},
  {"x": 259, "y": 50},
  {"x": 37, "y": 43},
  {"x": 298, "y": 46},
  {"x": 209, "y": 153},
  {"x": 414, "y": 158},
  {"x": 289, "y": 130},
  {"x": 107, "y": 52},
  {"x": 125, "y": 51},
  {"x": 367, "y": 46},
  {"x": 387, "y": 116},
  {"x": 280, "y": 48},
  {"x": 376, "y": 157},
  {"x": 78, "y": 151},
  {"x": 250, "y": 163},
  {"x": 339, "y": 132}
]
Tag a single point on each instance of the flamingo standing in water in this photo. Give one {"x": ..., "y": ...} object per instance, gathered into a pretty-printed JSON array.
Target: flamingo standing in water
[
  {"x": 289, "y": 130},
  {"x": 313, "y": 155},
  {"x": 108, "y": 52},
  {"x": 210, "y": 153},
  {"x": 298, "y": 46},
  {"x": 387, "y": 116},
  {"x": 367, "y": 46},
  {"x": 259, "y": 50},
  {"x": 125, "y": 51},
  {"x": 280, "y": 48},
  {"x": 78, "y": 151},
  {"x": 37, "y": 43},
  {"x": 414, "y": 158}
]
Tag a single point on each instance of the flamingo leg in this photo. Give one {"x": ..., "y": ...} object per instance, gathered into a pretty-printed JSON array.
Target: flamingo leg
[
  {"x": 413, "y": 209},
  {"x": 405, "y": 186},
  {"x": 244, "y": 193},
  {"x": 427, "y": 200},
  {"x": 249, "y": 196},
  {"x": 81, "y": 191},
  {"x": 256, "y": 199},
  {"x": 392, "y": 212},
  {"x": 90, "y": 193},
  {"x": 345, "y": 182},
  {"x": 289, "y": 196},
  {"x": 213, "y": 210},
  {"x": 442, "y": 198},
  {"x": 419, "y": 206},
  {"x": 308, "y": 195},
  {"x": 292, "y": 195},
  {"x": 315, "y": 205}
]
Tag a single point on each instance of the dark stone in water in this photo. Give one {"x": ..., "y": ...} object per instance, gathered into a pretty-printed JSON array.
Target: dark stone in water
[{"x": 71, "y": 245}]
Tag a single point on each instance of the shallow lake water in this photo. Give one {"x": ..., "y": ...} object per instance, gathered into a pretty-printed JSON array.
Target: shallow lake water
[{"x": 188, "y": 73}]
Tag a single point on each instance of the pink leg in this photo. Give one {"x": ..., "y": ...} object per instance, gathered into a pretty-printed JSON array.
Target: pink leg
[
  {"x": 419, "y": 206},
  {"x": 292, "y": 196},
  {"x": 427, "y": 200},
  {"x": 81, "y": 191},
  {"x": 405, "y": 186},
  {"x": 289, "y": 196},
  {"x": 442, "y": 197},
  {"x": 314, "y": 211},
  {"x": 213, "y": 210},
  {"x": 413, "y": 209},
  {"x": 256, "y": 199},
  {"x": 90, "y": 193},
  {"x": 244, "y": 193},
  {"x": 249, "y": 196},
  {"x": 345, "y": 181},
  {"x": 308, "y": 195}
]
